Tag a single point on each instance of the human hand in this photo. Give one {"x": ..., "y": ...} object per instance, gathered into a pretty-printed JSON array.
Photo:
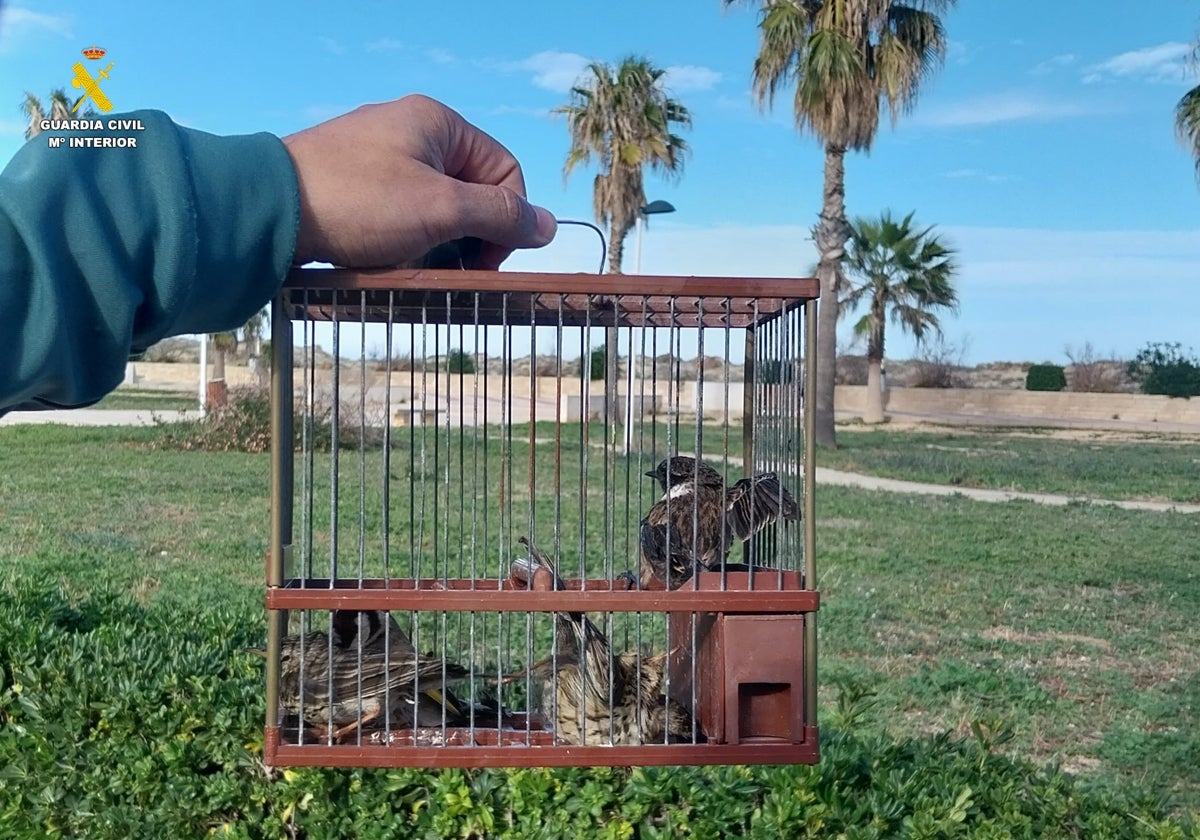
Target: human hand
[{"x": 385, "y": 183}]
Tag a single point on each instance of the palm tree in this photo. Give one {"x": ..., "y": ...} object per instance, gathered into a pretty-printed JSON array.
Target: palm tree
[
  {"x": 901, "y": 271},
  {"x": 60, "y": 109},
  {"x": 846, "y": 59},
  {"x": 622, "y": 118},
  {"x": 1187, "y": 116}
]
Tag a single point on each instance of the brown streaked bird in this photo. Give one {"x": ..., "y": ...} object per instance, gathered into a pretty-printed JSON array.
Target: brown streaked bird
[
  {"x": 437, "y": 704},
  {"x": 347, "y": 685},
  {"x": 694, "y": 524},
  {"x": 596, "y": 698}
]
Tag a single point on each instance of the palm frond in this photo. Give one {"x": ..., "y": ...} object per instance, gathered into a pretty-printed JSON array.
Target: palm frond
[
  {"x": 846, "y": 58},
  {"x": 901, "y": 272},
  {"x": 1187, "y": 124}
]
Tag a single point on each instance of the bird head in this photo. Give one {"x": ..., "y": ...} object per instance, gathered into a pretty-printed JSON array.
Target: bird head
[{"x": 680, "y": 468}]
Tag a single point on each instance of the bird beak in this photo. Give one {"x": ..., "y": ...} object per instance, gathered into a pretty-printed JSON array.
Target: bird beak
[
  {"x": 257, "y": 652},
  {"x": 651, "y": 474}
]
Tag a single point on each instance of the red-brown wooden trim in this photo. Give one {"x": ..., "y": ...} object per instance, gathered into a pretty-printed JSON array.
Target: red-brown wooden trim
[
  {"x": 352, "y": 755},
  {"x": 807, "y": 288}
]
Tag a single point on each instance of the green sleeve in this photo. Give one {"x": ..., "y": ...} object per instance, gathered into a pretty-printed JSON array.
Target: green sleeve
[{"x": 104, "y": 251}]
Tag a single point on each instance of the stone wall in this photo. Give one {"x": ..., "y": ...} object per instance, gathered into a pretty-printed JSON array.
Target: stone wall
[{"x": 999, "y": 403}]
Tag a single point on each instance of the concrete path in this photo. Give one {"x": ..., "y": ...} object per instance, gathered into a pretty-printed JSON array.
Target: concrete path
[
  {"x": 893, "y": 485},
  {"x": 97, "y": 417}
]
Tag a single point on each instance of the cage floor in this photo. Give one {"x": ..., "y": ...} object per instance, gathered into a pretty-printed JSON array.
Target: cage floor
[{"x": 396, "y": 749}]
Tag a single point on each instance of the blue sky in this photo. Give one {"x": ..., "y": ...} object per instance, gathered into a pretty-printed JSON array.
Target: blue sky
[{"x": 1044, "y": 150}]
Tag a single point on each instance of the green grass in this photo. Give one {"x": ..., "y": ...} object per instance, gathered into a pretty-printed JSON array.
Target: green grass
[
  {"x": 1075, "y": 627},
  {"x": 1155, "y": 467},
  {"x": 148, "y": 400}
]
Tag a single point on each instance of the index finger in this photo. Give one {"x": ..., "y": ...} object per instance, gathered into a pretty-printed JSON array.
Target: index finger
[{"x": 479, "y": 158}]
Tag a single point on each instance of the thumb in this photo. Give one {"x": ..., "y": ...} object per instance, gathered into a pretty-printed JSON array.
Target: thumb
[{"x": 503, "y": 219}]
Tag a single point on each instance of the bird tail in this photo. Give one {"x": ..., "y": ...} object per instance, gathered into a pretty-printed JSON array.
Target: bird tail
[
  {"x": 757, "y": 502},
  {"x": 523, "y": 569}
]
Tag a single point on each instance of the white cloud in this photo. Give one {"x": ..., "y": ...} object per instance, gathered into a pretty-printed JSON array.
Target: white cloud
[
  {"x": 440, "y": 56},
  {"x": 385, "y": 45},
  {"x": 331, "y": 45},
  {"x": 1160, "y": 63},
  {"x": 999, "y": 108},
  {"x": 1053, "y": 63},
  {"x": 976, "y": 174},
  {"x": 960, "y": 52},
  {"x": 17, "y": 23},
  {"x": 552, "y": 70},
  {"x": 689, "y": 77}
]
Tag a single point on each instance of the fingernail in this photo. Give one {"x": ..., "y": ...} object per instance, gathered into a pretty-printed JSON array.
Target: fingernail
[{"x": 547, "y": 226}]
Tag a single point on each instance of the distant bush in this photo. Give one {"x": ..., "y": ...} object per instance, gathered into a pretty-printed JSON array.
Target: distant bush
[
  {"x": 596, "y": 364},
  {"x": 243, "y": 424},
  {"x": 459, "y": 361},
  {"x": 1163, "y": 368},
  {"x": 939, "y": 365},
  {"x": 1091, "y": 374},
  {"x": 1045, "y": 378},
  {"x": 120, "y": 719}
]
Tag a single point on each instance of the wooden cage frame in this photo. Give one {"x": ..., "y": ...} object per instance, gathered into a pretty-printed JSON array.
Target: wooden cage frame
[{"x": 374, "y": 294}]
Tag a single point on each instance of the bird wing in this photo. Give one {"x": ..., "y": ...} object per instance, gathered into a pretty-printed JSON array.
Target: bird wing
[
  {"x": 665, "y": 549},
  {"x": 581, "y": 643},
  {"x": 379, "y": 674},
  {"x": 372, "y": 630},
  {"x": 754, "y": 503}
]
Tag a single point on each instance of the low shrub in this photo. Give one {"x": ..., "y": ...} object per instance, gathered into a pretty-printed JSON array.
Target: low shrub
[
  {"x": 939, "y": 364},
  {"x": 120, "y": 719},
  {"x": 1045, "y": 378},
  {"x": 459, "y": 361},
  {"x": 1163, "y": 368},
  {"x": 243, "y": 424},
  {"x": 596, "y": 364}
]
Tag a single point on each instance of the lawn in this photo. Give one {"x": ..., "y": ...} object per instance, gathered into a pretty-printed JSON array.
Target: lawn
[
  {"x": 148, "y": 400},
  {"x": 1074, "y": 628},
  {"x": 1095, "y": 464}
]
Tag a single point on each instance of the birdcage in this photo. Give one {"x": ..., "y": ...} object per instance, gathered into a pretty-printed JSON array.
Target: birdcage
[{"x": 484, "y": 551}]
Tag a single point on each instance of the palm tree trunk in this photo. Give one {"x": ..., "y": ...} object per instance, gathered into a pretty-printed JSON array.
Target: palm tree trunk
[
  {"x": 873, "y": 405},
  {"x": 832, "y": 233}
]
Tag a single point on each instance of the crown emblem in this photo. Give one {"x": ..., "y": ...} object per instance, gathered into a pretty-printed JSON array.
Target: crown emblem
[{"x": 95, "y": 53}]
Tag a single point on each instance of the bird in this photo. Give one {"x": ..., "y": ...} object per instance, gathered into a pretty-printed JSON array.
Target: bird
[
  {"x": 336, "y": 685},
  {"x": 435, "y": 706},
  {"x": 694, "y": 524},
  {"x": 597, "y": 698}
]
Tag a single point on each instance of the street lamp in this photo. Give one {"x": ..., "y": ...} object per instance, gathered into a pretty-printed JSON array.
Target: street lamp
[{"x": 649, "y": 210}]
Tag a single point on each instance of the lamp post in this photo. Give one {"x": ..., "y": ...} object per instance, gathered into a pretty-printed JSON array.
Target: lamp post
[{"x": 649, "y": 210}]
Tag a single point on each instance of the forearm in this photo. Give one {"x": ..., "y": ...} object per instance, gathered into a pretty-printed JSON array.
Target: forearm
[{"x": 105, "y": 251}]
